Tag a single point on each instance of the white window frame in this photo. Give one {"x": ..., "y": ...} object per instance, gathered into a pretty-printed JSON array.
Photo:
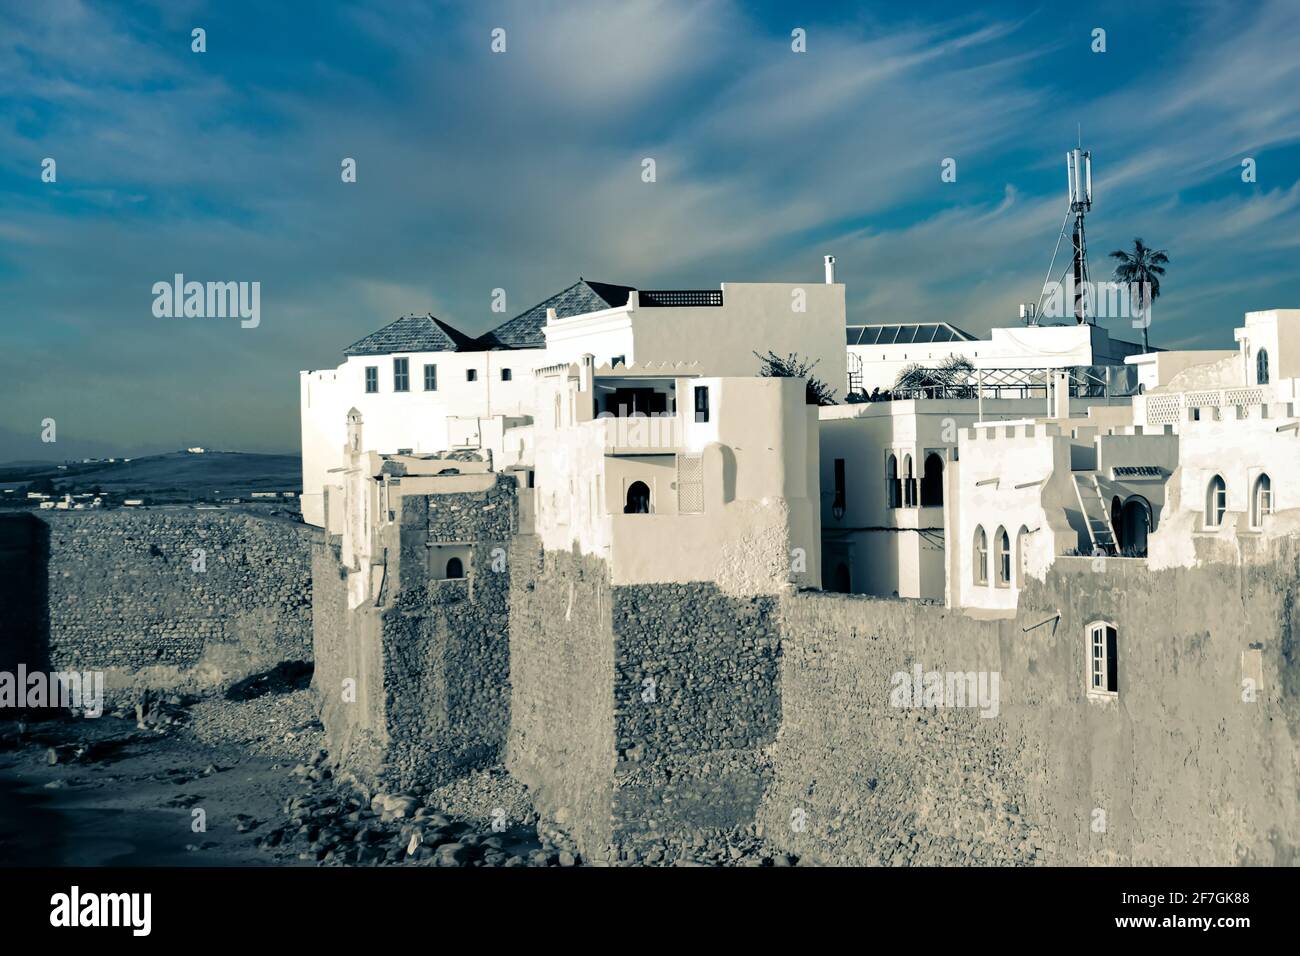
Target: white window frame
[
  {"x": 981, "y": 557},
  {"x": 1216, "y": 502},
  {"x": 1002, "y": 558},
  {"x": 1098, "y": 664},
  {"x": 1261, "y": 503}
]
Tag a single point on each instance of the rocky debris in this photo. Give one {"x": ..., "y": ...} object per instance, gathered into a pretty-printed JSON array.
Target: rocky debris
[
  {"x": 161, "y": 713},
  {"x": 707, "y": 847},
  {"x": 486, "y": 797},
  {"x": 280, "y": 725},
  {"x": 284, "y": 678},
  {"x": 89, "y": 751},
  {"x": 334, "y": 824}
]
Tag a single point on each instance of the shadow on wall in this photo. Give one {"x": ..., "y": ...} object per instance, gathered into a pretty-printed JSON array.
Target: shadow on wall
[{"x": 24, "y": 597}]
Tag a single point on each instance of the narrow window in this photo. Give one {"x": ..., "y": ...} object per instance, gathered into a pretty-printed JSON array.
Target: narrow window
[
  {"x": 701, "y": 403},
  {"x": 471, "y": 375},
  {"x": 431, "y": 378},
  {"x": 838, "y": 504},
  {"x": 1261, "y": 367},
  {"x": 1261, "y": 500},
  {"x": 372, "y": 379},
  {"x": 1003, "y": 543},
  {"x": 893, "y": 494},
  {"x": 505, "y": 375},
  {"x": 1216, "y": 502},
  {"x": 909, "y": 483},
  {"x": 532, "y": 478},
  {"x": 401, "y": 375},
  {"x": 932, "y": 481},
  {"x": 981, "y": 556},
  {"x": 1103, "y": 659}
]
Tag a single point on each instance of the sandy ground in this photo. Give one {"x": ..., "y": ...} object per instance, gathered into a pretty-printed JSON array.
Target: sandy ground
[{"x": 133, "y": 801}]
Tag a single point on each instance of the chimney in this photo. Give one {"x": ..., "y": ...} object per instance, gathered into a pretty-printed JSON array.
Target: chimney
[
  {"x": 830, "y": 269},
  {"x": 1060, "y": 394}
]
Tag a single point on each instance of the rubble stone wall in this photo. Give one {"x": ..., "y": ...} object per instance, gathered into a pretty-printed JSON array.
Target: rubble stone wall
[{"x": 171, "y": 598}]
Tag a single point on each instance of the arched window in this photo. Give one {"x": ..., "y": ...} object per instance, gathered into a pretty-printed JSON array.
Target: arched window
[
  {"x": 1216, "y": 502},
  {"x": 638, "y": 499},
  {"x": 932, "y": 481},
  {"x": 981, "y": 556},
  {"x": 909, "y": 483},
  {"x": 1002, "y": 542},
  {"x": 1261, "y": 367},
  {"x": 893, "y": 497},
  {"x": 1261, "y": 500},
  {"x": 455, "y": 569}
]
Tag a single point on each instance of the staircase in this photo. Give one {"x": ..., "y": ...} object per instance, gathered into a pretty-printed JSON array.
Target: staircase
[
  {"x": 855, "y": 372},
  {"x": 1096, "y": 514}
]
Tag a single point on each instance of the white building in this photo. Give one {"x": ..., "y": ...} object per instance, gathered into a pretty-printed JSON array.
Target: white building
[
  {"x": 883, "y": 478},
  {"x": 718, "y": 484},
  {"x": 1204, "y": 470},
  {"x": 422, "y": 386},
  {"x": 878, "y": 353}
]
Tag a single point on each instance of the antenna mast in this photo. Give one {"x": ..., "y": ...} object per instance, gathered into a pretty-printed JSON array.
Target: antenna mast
[{"x": 1078, "y": 163}]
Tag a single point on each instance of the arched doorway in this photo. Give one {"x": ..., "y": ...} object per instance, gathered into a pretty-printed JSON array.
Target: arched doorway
[
  {"x": 638, "y": 499},
  {"x": 455, "y": 569},
  {"x": 932, "y": 481},
  {"x": 1133, "y": 527}
]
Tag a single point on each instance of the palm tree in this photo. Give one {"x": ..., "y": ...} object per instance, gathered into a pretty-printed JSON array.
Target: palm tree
[{"x": 1142, "y": 267}]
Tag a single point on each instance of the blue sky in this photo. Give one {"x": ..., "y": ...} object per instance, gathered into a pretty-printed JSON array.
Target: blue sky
[{"x": 522, "y": 170}]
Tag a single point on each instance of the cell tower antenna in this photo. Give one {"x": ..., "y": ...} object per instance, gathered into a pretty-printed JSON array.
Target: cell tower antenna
[{"x": 1078, "y": 166}]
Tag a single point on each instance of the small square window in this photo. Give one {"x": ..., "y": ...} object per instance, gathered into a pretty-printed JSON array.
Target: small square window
[
  {"x": 506, "y": 375},
  {"x": 372, "y": 378},
  {"x": 471, "y": 375}
]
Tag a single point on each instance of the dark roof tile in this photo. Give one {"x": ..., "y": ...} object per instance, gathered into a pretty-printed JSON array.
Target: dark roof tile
[
  {"x": 413, "y": 333},
  {"x": 524, "y": 331}
]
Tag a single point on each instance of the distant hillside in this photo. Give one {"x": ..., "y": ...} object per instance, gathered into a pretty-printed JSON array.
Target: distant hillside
[{"x": 177, "y": 474}]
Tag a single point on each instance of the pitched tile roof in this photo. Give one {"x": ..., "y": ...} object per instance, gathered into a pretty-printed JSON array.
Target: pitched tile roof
[
  {"x": 524, "y": 331},
  {"x": 413, "y": 333}
]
